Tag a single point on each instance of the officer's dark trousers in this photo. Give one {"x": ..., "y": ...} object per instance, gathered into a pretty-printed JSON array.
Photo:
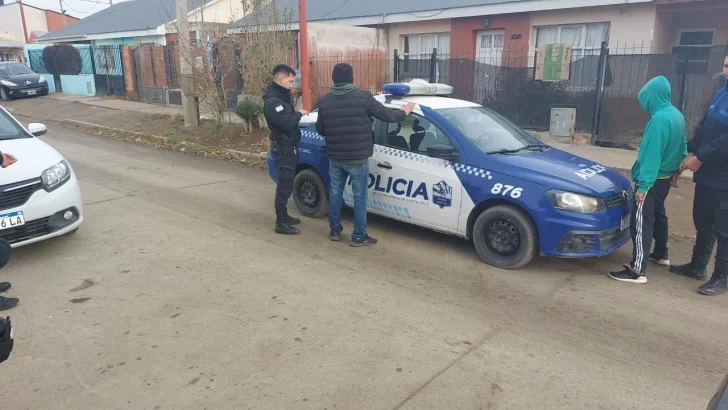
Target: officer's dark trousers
[
  {"x": 649, "y": 220},
  {"x": 710, "y": 215},
  {"x": 285, "y": 156},
  {"x": 4, "y": 252}
]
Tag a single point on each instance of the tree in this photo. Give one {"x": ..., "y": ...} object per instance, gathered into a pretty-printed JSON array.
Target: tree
[{"x": 62, "y": 59}]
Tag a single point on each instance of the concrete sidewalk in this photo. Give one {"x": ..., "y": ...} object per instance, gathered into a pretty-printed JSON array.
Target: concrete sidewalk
[
  {"x": 125, "y": 105},
  {"x": 611, "y": 157}
]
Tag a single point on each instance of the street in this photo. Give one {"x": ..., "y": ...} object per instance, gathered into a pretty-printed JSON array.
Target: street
[{"x": 176, "y": 294}]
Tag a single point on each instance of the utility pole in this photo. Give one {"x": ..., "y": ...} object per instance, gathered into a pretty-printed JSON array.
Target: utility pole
[
  {"x": 189, "y": 99},
  {"x": 303, "y": 44},
  {"x": 60, "y": 3},
  {"x": 22, "y": 17}
]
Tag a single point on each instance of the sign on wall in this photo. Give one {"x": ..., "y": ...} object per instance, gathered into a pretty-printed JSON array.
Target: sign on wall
[{"x": 554, "y": 62}]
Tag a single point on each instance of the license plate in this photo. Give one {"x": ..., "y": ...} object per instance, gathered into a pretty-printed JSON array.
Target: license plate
[
  {"x": 31, "y": 92},
  {"x": 11, "y": 220},
  {"x": 625, "y": 223}
]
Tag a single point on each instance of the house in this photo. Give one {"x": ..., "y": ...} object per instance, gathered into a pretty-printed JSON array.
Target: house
[
  {"x": 10, "y": 50},
  {"x": 19, "y": 21},
  {"x": 147, "y": 21}
]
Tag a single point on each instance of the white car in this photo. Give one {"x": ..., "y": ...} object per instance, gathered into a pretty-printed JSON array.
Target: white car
[{"x": 39, "y": 194}]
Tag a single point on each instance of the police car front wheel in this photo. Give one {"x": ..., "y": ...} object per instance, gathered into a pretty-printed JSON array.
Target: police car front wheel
[
  {"x": 505, "y": 237},
  {"x": 309, "y": 194}
]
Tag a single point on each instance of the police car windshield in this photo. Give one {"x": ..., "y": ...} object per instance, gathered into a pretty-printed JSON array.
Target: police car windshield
[
  {"x": 488, "y": 130},
  {"x": 9, "y": 129}
]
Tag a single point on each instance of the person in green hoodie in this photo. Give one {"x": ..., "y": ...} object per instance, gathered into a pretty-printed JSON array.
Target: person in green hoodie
[{"x": 663, "y": 147}]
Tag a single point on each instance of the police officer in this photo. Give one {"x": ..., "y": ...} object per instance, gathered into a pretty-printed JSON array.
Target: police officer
[
  {"x": 283, "y": 121},
  {"x": 6, "y": 160},
  {"x": 708, "y": 159}
]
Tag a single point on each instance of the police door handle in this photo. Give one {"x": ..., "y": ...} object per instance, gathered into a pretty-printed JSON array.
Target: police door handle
[{"x": 384, "y": 165}]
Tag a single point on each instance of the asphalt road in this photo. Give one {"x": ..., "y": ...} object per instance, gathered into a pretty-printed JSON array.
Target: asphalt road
[{"x": 197, "y": 304}]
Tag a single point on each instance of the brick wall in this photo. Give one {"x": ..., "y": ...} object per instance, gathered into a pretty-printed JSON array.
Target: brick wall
[
  {"x": 126, "y": 62},
  {"x": 57, "y": 21}
]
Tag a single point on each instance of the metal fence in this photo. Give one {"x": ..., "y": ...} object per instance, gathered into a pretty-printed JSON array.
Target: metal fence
[
  {"x": 103, "y": 62},
  {"x": 602, "y": 87}
]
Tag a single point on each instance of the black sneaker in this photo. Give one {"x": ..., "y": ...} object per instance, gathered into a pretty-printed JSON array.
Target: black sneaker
[
  {"x": 285, "y": 229},
  {"x": 659, "y": 259},
  {"x": 4, "y": 286},
  {"x": 628, "y": 275},
  {"x": 714, "y": 287},
  {"x": 688, "y": 270},
  {"x": 7, "y": 303},
  {"x": 289, "y": 220},
  {"x": 335, "y": 236},
  {"x": 365, "y": 241}
]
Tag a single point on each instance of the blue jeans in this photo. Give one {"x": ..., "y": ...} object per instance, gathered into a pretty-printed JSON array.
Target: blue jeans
[{"x": 359, "y": 173}]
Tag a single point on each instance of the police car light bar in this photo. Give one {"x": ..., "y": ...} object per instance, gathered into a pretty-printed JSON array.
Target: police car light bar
[{"x": 417, "y": 87}]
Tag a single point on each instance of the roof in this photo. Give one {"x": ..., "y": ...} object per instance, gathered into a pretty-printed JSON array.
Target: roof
[
  {"x": 5, "y": 43},
  {"x": 342, "y": 9},
  {"x": 125, "y": 16}
]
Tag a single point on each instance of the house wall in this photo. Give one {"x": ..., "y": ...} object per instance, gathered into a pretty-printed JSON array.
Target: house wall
[
  {"x": 159, "y": 39},
  {"x": 364, "y": 48},
  {"x": 463, "y": 39},
  {"x": 82, "y": 84},
  {"x": 700, "y": 19},
  {"x": 57, "y": 21},
  {"x": 629, "y": 24},
  {"x": 35, "y": 20},
  {"x": 11, "y": 25},
  {"x": 223, "y": 11}
]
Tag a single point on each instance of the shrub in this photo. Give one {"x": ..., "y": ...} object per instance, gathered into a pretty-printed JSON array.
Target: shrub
[
  {"x": 250, "y": 110},
  {"x": 62, "y": 59}
]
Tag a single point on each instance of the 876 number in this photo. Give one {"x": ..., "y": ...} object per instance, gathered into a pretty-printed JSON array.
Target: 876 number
[{"x": 506, "y": 190}]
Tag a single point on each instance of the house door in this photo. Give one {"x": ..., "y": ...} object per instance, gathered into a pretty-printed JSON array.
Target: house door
[{"x": 489, "y": 58}]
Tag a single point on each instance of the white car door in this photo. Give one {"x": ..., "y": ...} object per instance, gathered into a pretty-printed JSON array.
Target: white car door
[{"x": 406, "y": 183}]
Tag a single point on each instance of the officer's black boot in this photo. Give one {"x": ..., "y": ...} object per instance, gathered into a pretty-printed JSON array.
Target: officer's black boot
[
  {"x": 716, "y": 285},
  {"x": 7, "y": 303},
  {"x": 689, "y": 271},
  {"x": 285, "y": 229},
  {"x": 290, "y": 221}
]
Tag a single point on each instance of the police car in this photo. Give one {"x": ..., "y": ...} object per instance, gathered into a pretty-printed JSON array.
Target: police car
[{"x": 462, "y": 169}]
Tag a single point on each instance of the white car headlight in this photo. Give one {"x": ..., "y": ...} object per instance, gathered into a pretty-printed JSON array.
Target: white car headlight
[
  {"x": 41, "y": 80},
  {"x": 55, "y": 176},
  {"x": 570, "y": 201},
  {"x": 8, "y": 83}
]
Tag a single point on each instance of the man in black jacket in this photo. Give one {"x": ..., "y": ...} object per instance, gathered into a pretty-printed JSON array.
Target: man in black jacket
[
  {"x": 6, "y": 160},
  {"x": 285, "y": 135},
  {"x": 345, "y": 121},
  {"x": 708, "y": 159}
]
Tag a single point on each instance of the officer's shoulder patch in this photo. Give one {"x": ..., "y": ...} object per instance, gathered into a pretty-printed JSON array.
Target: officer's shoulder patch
[{"x": 279, "y": 108}]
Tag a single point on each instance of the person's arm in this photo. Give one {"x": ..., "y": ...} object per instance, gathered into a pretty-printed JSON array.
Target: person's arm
[
  {"x": 715, "y": 152},
  {"x": 379, "y": 111},
  {"x": 650, "y": 157},
  {"x": 275, "y": 113},
  {"x": 693, "y": 142}
]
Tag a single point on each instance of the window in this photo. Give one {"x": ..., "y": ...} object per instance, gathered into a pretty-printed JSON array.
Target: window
[
  {"x": 585, "y": 39},
  {"x": 414, "y": 134},
  {"x": 9, "y": 129},
  {"x": 491, "y": 40},
  {"x": 696, "y": 38},
  {"x": 422, "y": 44},
  {"x": 487, "y": 130}
]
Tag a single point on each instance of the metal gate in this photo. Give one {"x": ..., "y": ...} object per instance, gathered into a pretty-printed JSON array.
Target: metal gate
[
  {"x": 108, "y": 70},
  {"x": 149, "y": 63}
]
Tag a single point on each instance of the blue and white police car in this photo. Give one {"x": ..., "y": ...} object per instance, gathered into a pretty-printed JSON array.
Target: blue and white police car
[{"x": 462, "y": 169}]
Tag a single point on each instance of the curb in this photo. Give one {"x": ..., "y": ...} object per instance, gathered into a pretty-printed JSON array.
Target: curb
[{"x": 92, "y": 125}]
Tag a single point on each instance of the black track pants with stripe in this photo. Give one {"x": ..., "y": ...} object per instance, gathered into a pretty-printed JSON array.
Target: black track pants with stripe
[{"x": 649, "y": 220}]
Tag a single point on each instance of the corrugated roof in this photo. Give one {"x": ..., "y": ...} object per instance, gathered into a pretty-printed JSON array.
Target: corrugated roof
[
  {"x": 5, "y": 43},
  {"x": 341, "y": 9},
  {"x": 126, "y": 16}
]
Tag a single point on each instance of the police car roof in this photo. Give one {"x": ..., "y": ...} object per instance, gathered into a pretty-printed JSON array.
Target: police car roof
[{"x": 433, "y": 102}]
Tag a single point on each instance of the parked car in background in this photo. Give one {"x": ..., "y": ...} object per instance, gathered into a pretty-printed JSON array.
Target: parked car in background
[
  {"x": 17, "y": 80},
  {"x": 39, "y": 194}
]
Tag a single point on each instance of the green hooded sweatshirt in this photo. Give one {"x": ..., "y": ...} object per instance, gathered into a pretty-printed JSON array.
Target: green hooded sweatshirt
[{"x": 664, "y": 143}]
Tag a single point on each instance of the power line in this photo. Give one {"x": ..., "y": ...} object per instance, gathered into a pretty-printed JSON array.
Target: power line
[{"x": 80, "y": 12}]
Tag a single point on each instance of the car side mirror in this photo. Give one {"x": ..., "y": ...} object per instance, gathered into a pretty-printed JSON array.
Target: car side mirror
[
  {"x": 443, "y": 151},
  {"x": 37, "y": 129}
]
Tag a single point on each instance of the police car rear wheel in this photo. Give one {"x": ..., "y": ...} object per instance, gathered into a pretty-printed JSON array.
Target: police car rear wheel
[
  {"x": 505, "y": 237},
  {"x": 309, "y": 194}
]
